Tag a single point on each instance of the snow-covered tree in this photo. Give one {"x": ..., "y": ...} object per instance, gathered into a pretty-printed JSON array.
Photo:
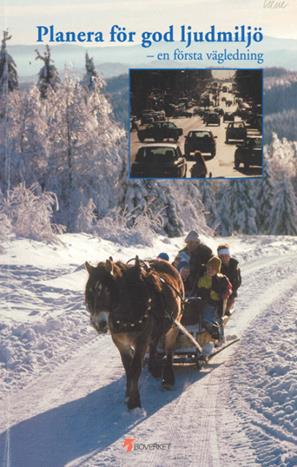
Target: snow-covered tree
[
  {"x": 5, "y": 223},
  {"x": 225, "y": 209},
  {"x": 91, "y": 77},
  {"x": 244, "y": 214},
  {"x": 150, "y": 196},
  {"x": 178, "y": 204},
  {"x": 283, "y": 220},
  {"x": 264, "y": 198},
  {"x": 30, "y": 212},
  {"x": 208, "y": 197},
  {"x": 8, "y": 69},
  {"x": 86, "y": 150},
  {"x": 190, "y": 209},
  {"x": 282, "y": 155},
  {"x": 23, "y": 138},
  {"x": 236, "y": 208},
  {"x": 86, "y": 218},
  {"x": 48, "y": 75}
]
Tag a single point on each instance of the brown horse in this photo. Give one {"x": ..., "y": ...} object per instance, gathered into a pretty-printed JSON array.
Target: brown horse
[{"x": 139, "y": 304}]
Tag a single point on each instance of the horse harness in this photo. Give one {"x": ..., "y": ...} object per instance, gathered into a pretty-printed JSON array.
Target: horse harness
[{"x": 124, "y": 326}]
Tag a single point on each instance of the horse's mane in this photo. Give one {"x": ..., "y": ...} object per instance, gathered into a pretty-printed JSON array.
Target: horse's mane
[{"x": 168, "y": 273}]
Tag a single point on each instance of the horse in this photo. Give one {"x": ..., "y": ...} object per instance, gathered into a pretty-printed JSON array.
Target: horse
[{"x": 138, "y": 304}]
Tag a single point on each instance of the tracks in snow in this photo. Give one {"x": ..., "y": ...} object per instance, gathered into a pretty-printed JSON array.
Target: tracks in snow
[{"x": 76, "y": 415}]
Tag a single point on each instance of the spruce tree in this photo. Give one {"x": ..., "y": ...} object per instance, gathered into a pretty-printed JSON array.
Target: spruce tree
[
  {"x": 284, "y": 214},
  {"x": 91, "y": 77},
  {"x": 264, "y": 199},
  {"x": 208, "y": 197},
  {"x": 236, "y": 209},
  {"x": 226, "y": 209},
  {"x": 8, "y": 69},
  {"x": 157, "y": 201},
  {"x": 244, "y": 214},
  {"x": 85, "y": 150},
  {"x": 48, "y": 75}
]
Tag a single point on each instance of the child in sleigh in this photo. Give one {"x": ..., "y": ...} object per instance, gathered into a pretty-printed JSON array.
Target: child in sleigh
[{"x": 214, "y": 289}]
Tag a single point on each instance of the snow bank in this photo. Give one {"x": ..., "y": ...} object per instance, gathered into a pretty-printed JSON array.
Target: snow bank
[
  {"x": 262, "y": 386},
  {"x": 43, "y": 316}
]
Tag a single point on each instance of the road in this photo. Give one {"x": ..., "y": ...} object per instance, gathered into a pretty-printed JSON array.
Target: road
[
  {"x": 76, "y": 416},
  {"x": 222, "y": 165}
]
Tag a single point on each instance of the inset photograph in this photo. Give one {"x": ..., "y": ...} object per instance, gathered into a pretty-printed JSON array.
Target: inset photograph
[{"x": 196, "y": 123}]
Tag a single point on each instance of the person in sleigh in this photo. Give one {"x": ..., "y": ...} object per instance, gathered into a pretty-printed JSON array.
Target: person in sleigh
[
  {"x": 230, "y": 268},
  {"x": 214, "y": 289}
]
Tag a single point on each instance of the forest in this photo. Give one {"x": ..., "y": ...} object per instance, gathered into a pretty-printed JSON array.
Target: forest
[{"x": 64, "y": 153}]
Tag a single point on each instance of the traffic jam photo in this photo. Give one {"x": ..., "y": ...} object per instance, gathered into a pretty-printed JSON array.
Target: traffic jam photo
[{"x": 204, "y": 123}]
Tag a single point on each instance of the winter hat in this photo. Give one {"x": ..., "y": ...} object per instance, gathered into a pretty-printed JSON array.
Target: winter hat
[
  {"x": 192, "y": 237},
  {"x": 215, "y": 262},
  {"x": 163, "y": 256},
  {"x": 223, "y": 249}
]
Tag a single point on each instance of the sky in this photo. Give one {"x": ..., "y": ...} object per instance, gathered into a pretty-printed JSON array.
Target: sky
[{"x": 21, "y": 17}]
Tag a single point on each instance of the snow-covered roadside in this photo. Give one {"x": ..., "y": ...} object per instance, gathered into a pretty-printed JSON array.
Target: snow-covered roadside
[
  {"x": 43, "y": 317},
  {"x": 262, "y": 392},
  {"x": 72, "y": 412}
]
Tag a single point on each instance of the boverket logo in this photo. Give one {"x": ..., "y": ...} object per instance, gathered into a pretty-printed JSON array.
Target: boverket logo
[{"x": 131, "y": 445}]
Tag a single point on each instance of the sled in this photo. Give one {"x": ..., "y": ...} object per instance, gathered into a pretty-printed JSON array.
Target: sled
[{"x": 193, "y": 338}]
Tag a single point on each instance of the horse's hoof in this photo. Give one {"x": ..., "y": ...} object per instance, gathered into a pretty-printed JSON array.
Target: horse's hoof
[
  {"x": 166, "y": 385},
  {"x": 133, "y": 404},
  {"x": 168, "y": 377},
  {"x": 156, "y": 372}
]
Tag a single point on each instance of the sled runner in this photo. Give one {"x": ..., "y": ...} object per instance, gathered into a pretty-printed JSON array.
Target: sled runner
[{"x": 192, "y": 340}]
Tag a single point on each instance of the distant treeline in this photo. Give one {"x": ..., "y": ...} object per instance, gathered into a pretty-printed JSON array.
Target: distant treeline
[
  {"x": 116, "y": 90},
  {"x": 280, "y": 104}
]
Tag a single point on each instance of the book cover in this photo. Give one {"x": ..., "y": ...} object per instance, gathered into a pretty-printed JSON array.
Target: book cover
[{"x": 148, "y": 225}]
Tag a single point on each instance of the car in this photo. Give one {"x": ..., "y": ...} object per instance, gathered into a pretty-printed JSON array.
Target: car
[
  {"x": 219, "y": 111},
  {"x": 159, "y": 131},
  {"x": 228, "y": 117},
  {"x": 236, "y": 131},
  {"x": 255, "y": 121},
  {"x": 159, "y": 161},
  {"x": 133, "y": 123},
  {"x": 147, "y": 116},
  {"x": 213, "y": 118},
  {"x": 249, "y": 153},
  {"x": 160, "y": 116},
  {"x": 182, "y": 113},
  {"x": 200, "y": 140},
  {"x": 197, "y": 111}
]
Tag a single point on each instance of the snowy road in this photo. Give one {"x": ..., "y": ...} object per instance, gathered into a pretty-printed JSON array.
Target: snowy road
[{"x": 239, "y": 411}]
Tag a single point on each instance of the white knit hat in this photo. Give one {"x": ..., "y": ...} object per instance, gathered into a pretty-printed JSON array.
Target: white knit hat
[{"x": 192, "y": 237}]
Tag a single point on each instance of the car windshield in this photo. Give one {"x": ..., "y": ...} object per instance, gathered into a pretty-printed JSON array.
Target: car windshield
[
  {"x": 199, "y": 134},
  {"x": 255, "y": 143},
  {"x": 237, "y": 125},
  {"x": 149, "y": 153},
  {"x": 166, "y": 125}
]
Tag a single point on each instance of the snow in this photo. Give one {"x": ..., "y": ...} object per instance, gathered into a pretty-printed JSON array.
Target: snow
[{"x": 62, "y": 390}]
